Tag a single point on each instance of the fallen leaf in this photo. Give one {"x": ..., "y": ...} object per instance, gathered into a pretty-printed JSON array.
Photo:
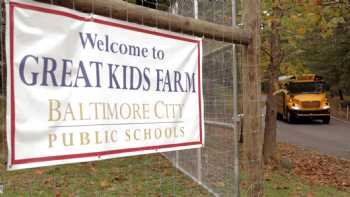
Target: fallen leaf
[
  {"x": 39, "y": 171},
  {"x": 105, "y": 184}
]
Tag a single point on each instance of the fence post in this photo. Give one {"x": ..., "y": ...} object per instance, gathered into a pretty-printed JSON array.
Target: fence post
[
  {"x": 251, "y": 87},
  {"x": 236, "y": 118},
  {"x": 199, "y": 150}
]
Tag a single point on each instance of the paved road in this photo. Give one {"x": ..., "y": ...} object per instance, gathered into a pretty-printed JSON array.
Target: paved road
[{"x": 332, "y": 139}]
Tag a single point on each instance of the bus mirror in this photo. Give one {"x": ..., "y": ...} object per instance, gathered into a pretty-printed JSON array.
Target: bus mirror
[
  {"x": 327, "y": 87},
  {"x": 281, "y": 92}
]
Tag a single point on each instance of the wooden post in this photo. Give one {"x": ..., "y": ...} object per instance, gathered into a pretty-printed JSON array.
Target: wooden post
[
  {"x": 151, "y": 17},
  {"x": 252, "y": 121}
]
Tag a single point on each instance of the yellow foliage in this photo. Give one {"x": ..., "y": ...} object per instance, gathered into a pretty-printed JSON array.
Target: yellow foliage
[
  {"x": 301, "y": 31},
  {"x": 294, "y": 18}
]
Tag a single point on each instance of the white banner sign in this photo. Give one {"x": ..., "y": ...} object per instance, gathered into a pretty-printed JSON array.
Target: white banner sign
[{"x": 82, "y": 87}]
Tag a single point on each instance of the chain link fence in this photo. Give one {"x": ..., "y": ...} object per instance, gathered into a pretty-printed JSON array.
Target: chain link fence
[{"x": 209, "y": 171}]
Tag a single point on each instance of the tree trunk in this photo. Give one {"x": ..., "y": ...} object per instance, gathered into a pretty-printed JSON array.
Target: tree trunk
[
  {"x": 341, "y": 96},
  {"x": 270, "y": 144}
]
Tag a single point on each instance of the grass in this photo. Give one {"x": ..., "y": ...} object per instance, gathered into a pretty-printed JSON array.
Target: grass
[
  {"x": 150, "y": 175},
  {"x": 284, "y": 184}
]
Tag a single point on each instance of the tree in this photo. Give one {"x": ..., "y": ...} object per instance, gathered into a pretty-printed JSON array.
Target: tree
[
  {"x": 289, "y": 28},
  {"x": 329, "y": 55},
  {"x": 275, "y": 58}
]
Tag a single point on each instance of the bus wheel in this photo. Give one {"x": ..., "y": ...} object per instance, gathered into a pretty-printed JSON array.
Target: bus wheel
[
  {"x": 326, "y": 120},
  {"x": 290, "y": 118},
  {"x": 279, "y": 116}
]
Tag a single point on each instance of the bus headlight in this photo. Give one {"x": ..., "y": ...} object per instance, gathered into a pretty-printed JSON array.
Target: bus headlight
[
  {"x": 295, "y": 107},
  {"x": 326, "y": 107}
]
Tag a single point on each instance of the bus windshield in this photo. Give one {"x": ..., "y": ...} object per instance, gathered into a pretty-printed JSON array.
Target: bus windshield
[{"x": 306, "y": 88}]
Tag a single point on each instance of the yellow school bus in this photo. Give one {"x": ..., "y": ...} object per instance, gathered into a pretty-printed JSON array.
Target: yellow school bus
[{"x": 301, "y": 97}]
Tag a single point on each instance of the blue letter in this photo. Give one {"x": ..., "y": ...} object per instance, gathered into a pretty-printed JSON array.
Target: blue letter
[
  {"x": 190, "y": 83},
  {"x": 49, "y": 72},
  {"x": 88, "y": 37},
  {"x": 112, "y": 78},
  {"x": 97, "y": 66},
  {"x": 159, "y": 80},
  {"x": 66, "y": 72},
  {"x": 81, "y": 69},
  {"x": 132, "y": 78},
  {"x": 21, "y": 70},
  {"x": 146, "y": 73}
]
